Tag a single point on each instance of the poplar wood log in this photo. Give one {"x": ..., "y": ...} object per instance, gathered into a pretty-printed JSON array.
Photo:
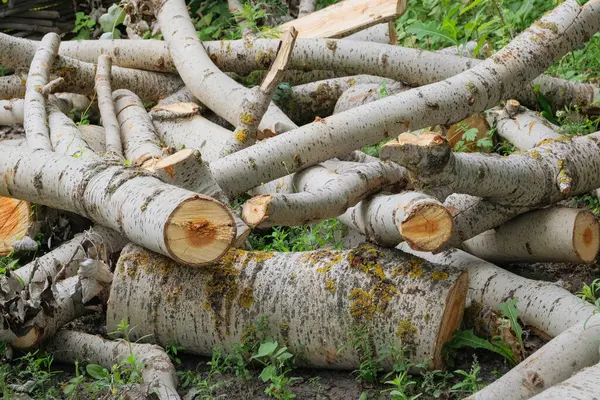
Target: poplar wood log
[
  {"x": 584, "y": 385},
  {"x": 192, "y": 228},
  {"x": 158, "y": 372},
  {"x": 110, "y": 123},
  {"x": 394, "y": 296}
]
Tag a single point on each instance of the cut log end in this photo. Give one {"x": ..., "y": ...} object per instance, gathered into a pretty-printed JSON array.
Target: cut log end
[
  {"x": 586, "y": 236},
  {"x": 423, "y": 139},
  {"x": 30, "y": 340},
  {"x": 452, "y": 318},
  {"x": 199, "y": 231},
  {"x": 15, "y": 221},
  {"x": 256, "y": 210},
  {"x": 427, "y": 227}
]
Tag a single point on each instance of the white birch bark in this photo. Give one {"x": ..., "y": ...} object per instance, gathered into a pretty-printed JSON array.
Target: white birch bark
[
  {"x": 11, "y": 112},
  {"x": 552, "y": 310},
  {"x": 306, "y": 7},
  {"x": 107, "y": 108},
  {"x": 420, "y": 220},
  {"x": 525, "y": 129},
  {"x": 158, "y": 372},
  {"x": 13, "y": 86},
  {"x": 242, "y": 107},
  {"x": 79, "y": 76},
  {"x": 35, "y": 119},
  {"x": 584, "y": 385},
  {"x": 361, "y": 94},
  {"x": 94, "y": 136},
  {"x": 201, "y": 309},
  {"x": 381, "y": 33},
  {"x": 139, "y": 138},
  {"x": 192, "y": 228},
  {"x": 319, "y": 194},
  {"x": 541, "y": 176},
  {"x": 548, "y": 235},
  {"x": 64, "y": 134},
  {"x": 475, "y": 90}
]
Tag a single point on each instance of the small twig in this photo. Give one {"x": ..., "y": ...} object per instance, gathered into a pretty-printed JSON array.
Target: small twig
[{"x": 52, "y": 86}]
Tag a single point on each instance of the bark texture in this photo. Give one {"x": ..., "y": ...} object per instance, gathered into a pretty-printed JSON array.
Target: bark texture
[
  {"x": 584, "y": 385},
  {"x": 35, "y": 122},
  {"x": 65, "y": 135},
  {"x": 114, "y": 148},
  {"x": 158, "y": 373},
  {"x": 342, "y": 290},
  {"x": 454, "y": 99},
  {"x": 192, "y": 228},
  {"x": 548, "y": 235}
]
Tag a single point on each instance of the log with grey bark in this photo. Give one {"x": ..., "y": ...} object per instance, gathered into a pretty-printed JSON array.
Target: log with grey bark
[
  {"x": 524, "y": 128},
  {"x": 79, "y": 76},
  {"x": 64, "y": 134},
  {"x": 420, "y": 220},
  {"x": 158, "y": 372},
  {"x": 34, "y": 113},
  {"x": 319, "y": 193},
  {"x": 547, "y": 235},
  {"x": 192, "y": 228},
  {"x": 140, "y": 140},
  {"x": 452, "y": 100},
  {"x": 584, "y": 385},
  {"x": 538, "y": 177},
  {"x": 396, "y": 297},
  {"x": 113, "y": 143},
  {"x": 364, "y": 93},
  {"x": 242, "y": 107},
  {"x": 550, "y": 309}
]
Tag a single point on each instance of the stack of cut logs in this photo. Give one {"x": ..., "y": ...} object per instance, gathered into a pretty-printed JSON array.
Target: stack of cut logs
[
  {"x": 157, "y": 186},
  {"x": 33, "y": 18}
]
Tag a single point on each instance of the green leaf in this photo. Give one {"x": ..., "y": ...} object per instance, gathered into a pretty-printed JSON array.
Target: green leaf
[
  {"x": 114, "y": 17},
  {"x": 268, "y": 372},
  {"x": 97, "y": 371},
  {"x": 467, "y": 338},
  {"x": 420, "y": 30},
  {"x": 470, "y": 135},
  {"x": 509, "y": 310},
  {"x": 265, "y": 349},
  {"x": 474, "y": 4}
]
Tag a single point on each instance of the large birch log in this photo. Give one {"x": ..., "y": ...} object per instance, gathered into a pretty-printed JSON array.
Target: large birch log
[
  {"x": 35, "y": 119},
  {"x": 345, "y": 18},
  {"x": 541, "y": 176},
  {"x": 584, "y": 385},
  {"x": 550, "y": 309},
  {"x": 548, "y": 235},
  {"x": 454, "y": 99},
  {"x": 395, "y": 296},
  {"x": 319, "y": 193},
  {"x": 79, "y": 76},
  {"x": 158, "y": 372},
  {"x": 242, "y": 107},
  {"x": 192, "y": 228}
]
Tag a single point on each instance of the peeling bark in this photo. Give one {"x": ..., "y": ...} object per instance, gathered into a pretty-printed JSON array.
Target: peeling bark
[
  {"x": 114, "y": 148},
  {"x": 35, "y": 118},
  {"x": 192, "y": 228},
  {"x": 414, "y": 217},
  {"x": 396, "y": 297},
  {"x": 158, "y": 372},
  {"x": 452, "y": 100}
]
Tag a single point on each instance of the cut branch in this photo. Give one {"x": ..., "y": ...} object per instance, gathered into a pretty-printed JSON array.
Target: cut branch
[
  {"x": 114, "y": 148},
  {"x": 35, "y": 118},
  {"x": 188, "y": 227},
  {"x": 64, "y": 133},
  {"x": 418, "y": 304},
  {"x": 158, "y": 372}
]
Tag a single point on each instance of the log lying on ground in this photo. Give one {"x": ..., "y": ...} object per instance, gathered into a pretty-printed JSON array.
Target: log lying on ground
[
  {"x": 541, "y": 176},
  {"x": 13, "y": 86},
  {"x": 64, "y": 133},
  {"x": 158, "y": 372},
  {"x": 365, "y": 93},
  {"x": 524, "y": 128},
  {"x": 550, "y": 309},
  {"x": 242, "y": 107},
  {"x": 16, "y": 222},
  {"x": 321, "y": 194},
  {"x": 454, "y": 99},
  {"x": 113, "y": 144},
  {"x": 381, "y": 33},
  {"x": 191, "y": 228},
  {"x": 584, "y": 385},
  {"x": 414, "y": 217},
  {"x": 97, "y": 243},
  {"x": 79, "y": 76},
  {"x": 548, "y": 235},
  {"x": 36, "y": 128},
  {"x": 140, "y": 140},
  {"x": 396, "y": 297},
  {"x": 345, "y": 18}
]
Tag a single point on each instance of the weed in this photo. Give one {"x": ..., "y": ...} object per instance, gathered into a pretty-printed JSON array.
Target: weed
[
  {"x": 276, "y": 360},
  {"x": 325, "y": 234},
  {"x": 172, "y": 349},
  {"x": 84, "y": 26},
  {"x": 590, "y": 293},
  {"x": 471, "y": 382},
  {"x": 401, "y": 387}
]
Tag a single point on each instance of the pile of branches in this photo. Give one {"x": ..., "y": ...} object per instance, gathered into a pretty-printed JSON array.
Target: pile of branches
[{"x": 157, "y": 185}]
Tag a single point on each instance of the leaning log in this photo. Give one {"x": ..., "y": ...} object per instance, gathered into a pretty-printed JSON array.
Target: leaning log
[{"x": 398, "y": 297}]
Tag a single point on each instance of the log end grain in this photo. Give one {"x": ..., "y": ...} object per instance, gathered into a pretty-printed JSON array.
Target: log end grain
[
  {"x": 15, "y": 221},
  {"x": 586, "y": 236},
  {"x": 427, "y": 226},
  {"x": 256, "y": 210},
  {"x": 199, "y": 231}
]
